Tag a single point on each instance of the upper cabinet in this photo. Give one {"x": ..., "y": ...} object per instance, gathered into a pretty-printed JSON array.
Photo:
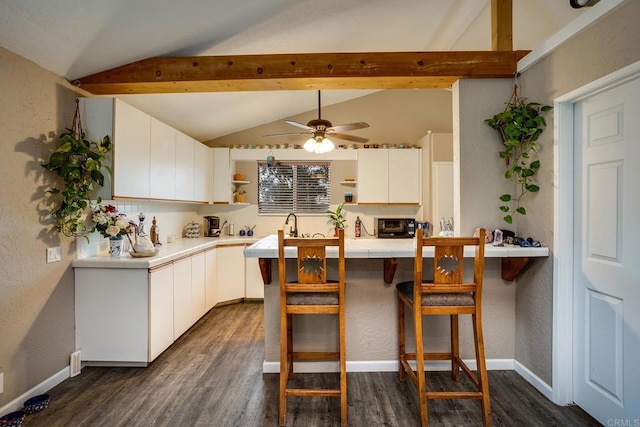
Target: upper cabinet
[
  {"x": 221, "y": 175},
  {"x": 203, "y": 173},
  {"x": 151, "y": 160},
  {"x": 389, "y": 176},
  {"x": 162, "y": 161},
  {"x": 131, "y": 145},
  {"x": 184, "y": 166}
]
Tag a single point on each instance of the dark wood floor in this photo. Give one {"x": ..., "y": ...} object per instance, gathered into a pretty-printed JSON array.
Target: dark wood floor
[{"x": 212, "y": 376}]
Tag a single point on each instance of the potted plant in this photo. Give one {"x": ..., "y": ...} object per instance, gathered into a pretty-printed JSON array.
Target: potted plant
[
  {"x": 79, "y": 163},
  {"x": 337, "y": 218},
  {"x": 520, "y": 126}
]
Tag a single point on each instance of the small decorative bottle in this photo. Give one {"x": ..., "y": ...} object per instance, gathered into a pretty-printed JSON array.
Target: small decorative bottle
[
  {"x": 358, "y": 227},
  {"x": 154, "y": 232}
]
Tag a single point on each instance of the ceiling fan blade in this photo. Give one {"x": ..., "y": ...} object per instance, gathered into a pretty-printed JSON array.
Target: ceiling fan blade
[
  {"x": 300, "y": 125},
  {"x": 348, "y": 126},
  {"x": 287, "y": 134},
  {"x": 348, "y": 137}
]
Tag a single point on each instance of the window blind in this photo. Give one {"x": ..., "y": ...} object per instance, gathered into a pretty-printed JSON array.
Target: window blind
[{"x": 294, "y": 187}]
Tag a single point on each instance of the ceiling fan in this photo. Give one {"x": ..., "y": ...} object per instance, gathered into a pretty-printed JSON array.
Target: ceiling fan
[{"x": 321, "y": 129}]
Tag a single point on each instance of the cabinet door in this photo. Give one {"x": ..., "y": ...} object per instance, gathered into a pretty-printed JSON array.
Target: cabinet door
[
  {"x": 182, "y": 318},
  {"x": 184, "y": 166},
  {"x": 230, "y": 272},
  {"x": 211, "y": 291},
  {"x": 253, "y": 279},
  {"x": 112, "y": 314},
  {"x": 160, "y": 310},
  {"x": 131, "y": 144},
  {"x": 198, "y": 287},
  {"x": 221, "y": 175},
  {"x": 202, "y": 179},
  {"x": 405, "y": 177},
  {"x": 373, "y": 176},
  {"x": 162, "y": 161}
]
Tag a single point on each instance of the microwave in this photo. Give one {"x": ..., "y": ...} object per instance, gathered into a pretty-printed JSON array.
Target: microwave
[{"x": 386, "y": 228}]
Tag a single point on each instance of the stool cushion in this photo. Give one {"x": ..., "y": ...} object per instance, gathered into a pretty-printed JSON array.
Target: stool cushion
[
  {"x": 461, "y": 299},
  {"x": 312, "y": 298}
]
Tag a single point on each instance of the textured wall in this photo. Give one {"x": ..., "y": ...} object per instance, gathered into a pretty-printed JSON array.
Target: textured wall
[
  {"x": 607, "y": 46},
  {"x": 36, "y": 299}
]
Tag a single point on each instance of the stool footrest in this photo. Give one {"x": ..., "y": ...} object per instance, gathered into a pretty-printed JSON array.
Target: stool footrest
[
  {"x": 317, "y": 355},
  {"x": 453, "y": 395},
  {"x": 312, "y": 392}
]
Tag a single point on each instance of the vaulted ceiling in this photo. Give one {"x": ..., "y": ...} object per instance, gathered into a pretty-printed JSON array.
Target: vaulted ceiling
[{"x": 78, "y": 38}]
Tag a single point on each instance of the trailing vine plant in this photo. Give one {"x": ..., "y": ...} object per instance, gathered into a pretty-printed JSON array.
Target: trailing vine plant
[
  {"x": 520, "y": 126},
  {"x": 79, "y": 163}
]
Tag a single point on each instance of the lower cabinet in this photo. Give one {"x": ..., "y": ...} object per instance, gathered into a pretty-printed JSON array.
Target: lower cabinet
[
  {"x": 230, "y": 272},
  {"x": 160, "y": 310},
  {"x": 253, "y": 279},
  {"x": 129, "y": 316}
]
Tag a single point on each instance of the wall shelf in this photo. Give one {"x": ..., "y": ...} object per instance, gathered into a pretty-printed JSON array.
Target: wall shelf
[{"x": 349, "y": 183}]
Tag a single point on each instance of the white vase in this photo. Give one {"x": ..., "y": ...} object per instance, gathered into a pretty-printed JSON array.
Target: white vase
[{"x": 115, "y": 246}]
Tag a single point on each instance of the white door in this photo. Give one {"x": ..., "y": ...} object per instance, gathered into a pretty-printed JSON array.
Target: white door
[{"x": 606, "y": 376}]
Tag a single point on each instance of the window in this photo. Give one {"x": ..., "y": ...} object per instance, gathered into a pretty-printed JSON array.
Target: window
[{"x": 294, "y": 187}]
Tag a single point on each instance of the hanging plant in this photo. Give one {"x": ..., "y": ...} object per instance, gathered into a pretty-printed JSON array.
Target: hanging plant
[
  {"x": 79, "y": 163},
  {"x": 520, "y": 126}
]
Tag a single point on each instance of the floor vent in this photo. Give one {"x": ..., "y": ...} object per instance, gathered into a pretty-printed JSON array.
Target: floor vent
[{"x": 75, "y": 365}]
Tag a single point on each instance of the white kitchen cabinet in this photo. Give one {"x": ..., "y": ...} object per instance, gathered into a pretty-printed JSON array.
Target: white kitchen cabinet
[
  {"x": 131, "y": 145},
  {"x": 162, "y": 161},
  {"x": 203, "y": 173},
  {"x": 254, "y": 286},
  {"x": 182, "y": 318},
  {"x": 373, "y": 176},
  {"x": 185, "y": 148},
  {"x": 389, "y": 176},
  {"x": 112, "y": 315},
  {"x": 211, "y": 288},
  {"x": 221, "y": 175},
  {"x": 405, "y": 176},
  {"x": 160, "y": 310},
  {"x": 198, "y": 287},
  {"x": 230, "y": 272}
]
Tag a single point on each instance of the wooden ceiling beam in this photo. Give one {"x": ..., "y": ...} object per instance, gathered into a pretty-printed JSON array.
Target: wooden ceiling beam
[
  {"x": 302, "y": 71},
  {"x": 502, "y": 25}
]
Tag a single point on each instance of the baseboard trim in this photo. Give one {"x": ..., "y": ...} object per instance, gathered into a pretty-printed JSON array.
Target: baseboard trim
[
  {"x": 534, "y": 380},
  {"x": 43, "y": 387},
  {"x": 380, "y": 366}
]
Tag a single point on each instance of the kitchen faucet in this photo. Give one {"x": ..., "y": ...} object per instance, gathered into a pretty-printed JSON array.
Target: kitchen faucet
[{"x": 293, "y": 231}]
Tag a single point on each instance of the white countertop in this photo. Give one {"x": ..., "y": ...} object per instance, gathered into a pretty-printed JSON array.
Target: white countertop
[
  {"x": 167, "y": 252},
  {"x": 386, "y": 248}
]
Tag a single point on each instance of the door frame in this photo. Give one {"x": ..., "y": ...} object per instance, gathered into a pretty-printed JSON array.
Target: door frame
[{"x": 563, "y": 218}]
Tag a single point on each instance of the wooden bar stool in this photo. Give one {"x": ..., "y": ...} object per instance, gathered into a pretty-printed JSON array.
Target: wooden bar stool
[
  {"x": 311, "y": 293},
  {"x": 447, "y": 294}
]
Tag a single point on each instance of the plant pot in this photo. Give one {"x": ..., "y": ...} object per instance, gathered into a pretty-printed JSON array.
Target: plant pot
[
  {"x": 115, "y": 246},
  {"x": 239, "y": 198},
  {"x": 238, "y": 176}
]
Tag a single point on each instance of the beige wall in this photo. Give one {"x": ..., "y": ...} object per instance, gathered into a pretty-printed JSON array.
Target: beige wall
[
  {"x": 394, "y": 116},
  {"x": 611, "y": 44},
  {"x": 36, "y": 299}
]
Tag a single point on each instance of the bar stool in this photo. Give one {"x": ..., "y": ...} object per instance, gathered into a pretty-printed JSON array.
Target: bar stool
[
  {"x": 447, "y": 294},
  {"x": 312, "y": 293}
]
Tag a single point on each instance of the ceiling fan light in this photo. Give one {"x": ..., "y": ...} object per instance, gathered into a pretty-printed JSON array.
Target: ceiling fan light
[
  {"x": 310, "y": 145},
  {"x": 327, "y": 145}
]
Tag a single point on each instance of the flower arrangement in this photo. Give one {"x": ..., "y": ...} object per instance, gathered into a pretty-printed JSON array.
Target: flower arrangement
[{"x": 110, "y": 223}]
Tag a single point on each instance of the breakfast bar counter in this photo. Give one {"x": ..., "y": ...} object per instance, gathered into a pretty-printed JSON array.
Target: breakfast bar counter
[{"x": 373, "y": 267}]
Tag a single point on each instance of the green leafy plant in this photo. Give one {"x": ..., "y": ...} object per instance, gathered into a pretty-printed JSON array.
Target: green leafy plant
[
  {"x": 79, "y": 163},
  {"x": 337, "y": 217},
  {"x": 520, "y": 126}
]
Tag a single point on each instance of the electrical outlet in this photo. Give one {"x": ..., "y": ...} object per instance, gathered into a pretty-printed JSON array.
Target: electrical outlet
[
  {"x": 1, "y": 382},
  {"x": 53, "y": 254}
]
